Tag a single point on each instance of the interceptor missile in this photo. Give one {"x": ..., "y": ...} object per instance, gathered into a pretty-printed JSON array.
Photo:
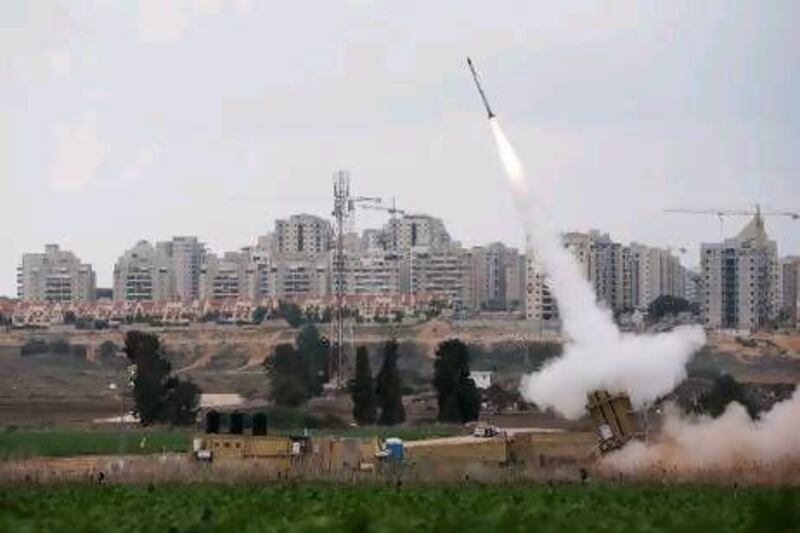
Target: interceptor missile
[{"x": 480, "y": 89}]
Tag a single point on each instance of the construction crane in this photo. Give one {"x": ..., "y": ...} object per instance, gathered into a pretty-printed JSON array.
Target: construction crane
[
  {"x": 393, "y": 212},
  {"x": 722, "y": 213}
]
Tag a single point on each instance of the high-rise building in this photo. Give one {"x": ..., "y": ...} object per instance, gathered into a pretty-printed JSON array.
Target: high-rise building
[
  {"x": 242, "y": 275},
  {"x": 791, "y": 289},
  {"x": 55, "y": 275},
  {"x": 622, "y": 277},
  {"x": 418, "y": 230},
  {"x": 540, "y": 304},
  {"x": 186, "y": 257},
  {"x": 302, "y": 235},
  {"x": 144, "y": 272},
  {"x": 438, "y": 270},
  {"x": 741, "y": 280},
  {"x": 494, "y": 278}
]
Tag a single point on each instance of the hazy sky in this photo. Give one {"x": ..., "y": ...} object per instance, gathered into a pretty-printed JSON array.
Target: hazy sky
[{"x": 129, "y": 120}]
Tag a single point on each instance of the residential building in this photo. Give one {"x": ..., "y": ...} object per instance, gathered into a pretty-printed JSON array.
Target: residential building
[
  {"x": 302, "y": 235},
  {"x": 186, "y": 256},
  {"x": 242, "y": 275},
  {"x": 540, "y": 304},
  {"x": 418, "y": 230},
  {"x": 437, "y": 270},
  {"x": 791, "y": 289},
  {"x": 494, "y": 278},
  {"x": 741, "y": 280},
  {"x": 144, "y": 272},
  {"x": 55, "y": 275}
]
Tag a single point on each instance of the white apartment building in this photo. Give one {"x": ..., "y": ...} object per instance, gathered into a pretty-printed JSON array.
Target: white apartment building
[
  {"x": 144, "y": 272},
  {"x": 302, "y": 235},
  {"x": 791, "y": 289},
  {"x": 540, "y": 304},
  {"x": 623, "y": 277},
  {"x": 55, "y": 275},
  {"x": 435, "y": 270},
  {"x": 494, "y": 278},
  {"x": 418, "y": 230},
  {"x": 741, "y": 280},
  {"x": 242, "y": 275},
  {"x": 186, "y": 256}
]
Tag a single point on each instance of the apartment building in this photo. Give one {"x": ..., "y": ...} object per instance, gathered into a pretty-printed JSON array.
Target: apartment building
[
  {"x": 144, "y": 273},
  {"x": 55, "y": 275},
  {"x": 242, "y": 275},
  {"x": 302, "y": 235},
  {"x": 791, "y": 289},
  {"x": 494, "y": 278},
  {"x": 417, "y": 230},
  {"x": 741, "y": 279},
  {"x": 622, "y": 277},
  {"x": 437, "y": 270}
]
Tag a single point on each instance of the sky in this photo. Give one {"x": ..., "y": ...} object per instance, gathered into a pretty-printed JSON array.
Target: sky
[{"x": 122, "y": 121}]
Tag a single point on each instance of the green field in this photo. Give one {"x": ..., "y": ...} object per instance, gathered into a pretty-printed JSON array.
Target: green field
[
  {"x": 68, "y": 442},
  {"x": 405, "y": 508}
]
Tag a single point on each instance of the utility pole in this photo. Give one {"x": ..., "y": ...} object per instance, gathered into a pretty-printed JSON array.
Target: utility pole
[{"x": 342, "y": 207}]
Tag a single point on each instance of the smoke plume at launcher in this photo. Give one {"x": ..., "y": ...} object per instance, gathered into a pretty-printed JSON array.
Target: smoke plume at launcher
[{"x": 597, "y": 355}]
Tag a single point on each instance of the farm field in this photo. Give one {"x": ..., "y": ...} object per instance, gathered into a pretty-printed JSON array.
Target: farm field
[
  {"x": 78, "y": 441},
  {"x": 473, "y": 507}
]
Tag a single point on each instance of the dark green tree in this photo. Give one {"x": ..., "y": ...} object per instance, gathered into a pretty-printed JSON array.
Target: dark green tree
[
  {"x": 158, "y": 397},
  {"x": 289, "y": 376},
  {"x": 183, "y": 398},
  {"x": 259, "y": 314},
  {"x": 152, "y": 373},
  {"x": 667, "y": 305},
  {"x": 458, "y": 398},
  {"x": 362, "y": 390},
  {"x": 292, "y": 313},
  {"x": 313, "y": 350},
  {"x": 725, "y": 390},
  {"x": 389, "y": 388}
]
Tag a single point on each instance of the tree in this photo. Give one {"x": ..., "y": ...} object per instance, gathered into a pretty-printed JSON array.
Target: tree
[
  {"x": 69, "y": 317},
  {"x": 389, "y": 388},
  {"x": 725, "y": 390},
  {"x": 292, "y": 313},
  {"x": 314, "y": 350},
  {"x": 288, "y": 375},
  {"x": 183, "y": 398},
  {"x": 107, "y": 350},
  {"x": 667, "y": 305},
  {"x": 458, "y": 398},
  {"x": 158, "y": 397},
  {"x": 362, "y": 390},
  {"x": 259, "y": 314}
]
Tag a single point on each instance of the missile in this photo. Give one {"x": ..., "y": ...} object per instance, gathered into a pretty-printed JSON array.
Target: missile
[{"x": 480, "y": 89}]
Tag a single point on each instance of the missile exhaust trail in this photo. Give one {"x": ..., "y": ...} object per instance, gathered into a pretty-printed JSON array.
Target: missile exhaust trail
[{"x": 480, "y": 89}]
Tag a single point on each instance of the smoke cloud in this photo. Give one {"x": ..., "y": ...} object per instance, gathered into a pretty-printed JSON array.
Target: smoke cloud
[
  {"x": 729, "y": 441},
  {"x": 597, "y": 355}
]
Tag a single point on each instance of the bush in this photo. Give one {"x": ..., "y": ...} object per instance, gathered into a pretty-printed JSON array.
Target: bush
[{"x": 34, "y": 347}]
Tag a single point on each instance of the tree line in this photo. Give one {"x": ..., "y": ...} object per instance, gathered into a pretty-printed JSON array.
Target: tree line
[{"x": 298, "y": 371}]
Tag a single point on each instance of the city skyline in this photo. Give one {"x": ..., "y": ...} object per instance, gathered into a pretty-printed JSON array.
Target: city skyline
[{"x": 116, "y": 125}]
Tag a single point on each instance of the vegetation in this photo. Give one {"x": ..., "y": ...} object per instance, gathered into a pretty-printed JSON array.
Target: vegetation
[
  {"x": 472, "y": 507},
  {"x": 298, "y": 373},
  {"x": 458, "y": 398},
  {"x": 725, "y": 390},
  {"x": 292, "y": 313},
  {"x": 69, "y": 442},
  {"x": 667, "y": 305},
  {"x": 362, "y": 390},
  {"x": 259, "y": 314},
  {"x": 158, "y": 396},
  {"x": 389, "y": 388}
]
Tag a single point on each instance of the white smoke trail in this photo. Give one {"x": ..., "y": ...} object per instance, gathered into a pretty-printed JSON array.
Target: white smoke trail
[
  {"x": 597, "y": 355},
  {"x": 730, "y": 441}
]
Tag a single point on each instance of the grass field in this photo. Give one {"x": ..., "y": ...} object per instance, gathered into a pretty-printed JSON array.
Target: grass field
[
  {"x": 417, "y": 508},
  {"x": 69, "y": 442}
]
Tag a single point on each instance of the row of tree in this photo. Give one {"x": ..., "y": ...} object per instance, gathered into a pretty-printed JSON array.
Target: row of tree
[{"x": 458, "y": 398}]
